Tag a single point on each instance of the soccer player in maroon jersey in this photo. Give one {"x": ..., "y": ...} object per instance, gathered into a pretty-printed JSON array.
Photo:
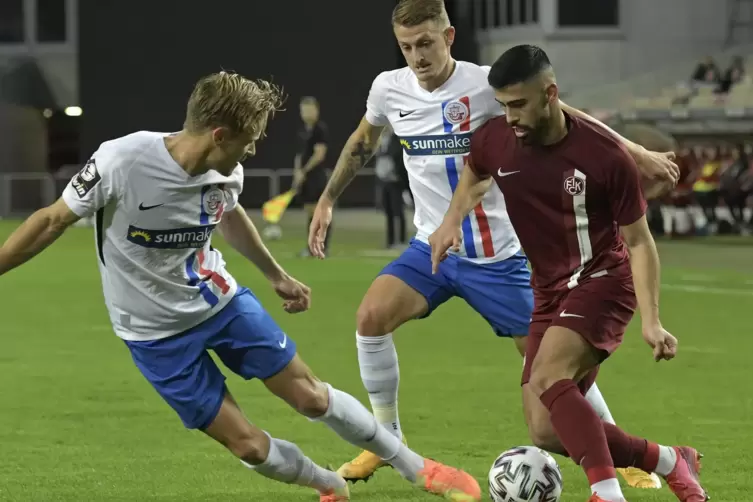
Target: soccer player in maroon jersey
[{"x": 574, "y": 198}]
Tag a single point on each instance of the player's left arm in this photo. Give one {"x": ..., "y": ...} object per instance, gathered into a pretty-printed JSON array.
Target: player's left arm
[
  {"x": 240, "y": 232},
  {"x": 644, "y": 262},
  {"x": 653, "y": 165},
  {"x": 628, "y": 208}
]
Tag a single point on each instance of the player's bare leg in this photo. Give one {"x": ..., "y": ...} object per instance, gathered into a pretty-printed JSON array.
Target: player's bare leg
[
  {"x": 273, "y": 458},
  {"x": 350, "y": 420},
  {"x": 562, "y": 409},
  {"x": 545, "y": 438},
  {"x": 388, "y": 304},
  {"x": 520, "y": 343}
]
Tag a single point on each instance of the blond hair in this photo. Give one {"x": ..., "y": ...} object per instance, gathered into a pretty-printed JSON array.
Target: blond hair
[
  {"x": 414, "y": 12},
  {"x": 226, "y": 99}
]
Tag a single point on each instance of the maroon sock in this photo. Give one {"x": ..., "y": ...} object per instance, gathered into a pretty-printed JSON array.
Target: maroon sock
[
  {"x": 579, "y": 429},
  {"x": 631, "y": 451}
]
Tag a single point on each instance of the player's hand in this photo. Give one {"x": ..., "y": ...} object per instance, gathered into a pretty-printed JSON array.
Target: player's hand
[
  {"x": 319, "y": 224},
  {"x": 447, "y": 237},
  {"x": 658, "y": 166},
  {"x": 661, "y": 340},
  {"x": 297, "y": 295}
]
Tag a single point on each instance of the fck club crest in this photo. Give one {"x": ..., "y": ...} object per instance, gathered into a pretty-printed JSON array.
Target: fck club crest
[{"x": 575, "y": 186}]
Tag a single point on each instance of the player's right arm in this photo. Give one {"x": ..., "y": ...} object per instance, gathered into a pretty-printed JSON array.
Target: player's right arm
[
  {"x": 35, "y": 234},
  {"x": 357, "y": 151},
  {"x": 359, "y": 148},
  {"x": 89, "y": 190},
  {"x": 473, "y": 184},
  {"x": 471, "y": 189}
]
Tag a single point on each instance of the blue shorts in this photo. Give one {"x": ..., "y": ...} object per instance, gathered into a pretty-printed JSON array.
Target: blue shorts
[
  {"x": 501, "y": 291},
  {"x": 244, "y": 336}
]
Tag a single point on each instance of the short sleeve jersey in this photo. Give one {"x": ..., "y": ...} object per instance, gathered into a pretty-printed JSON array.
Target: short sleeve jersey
[
  {"x": 154, "y": 224},
  {"x": 566, "y": 201}
]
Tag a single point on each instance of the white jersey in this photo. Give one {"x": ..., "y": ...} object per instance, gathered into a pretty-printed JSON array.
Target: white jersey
[
  {"x": 435, "y": 132},
  {"x": 154, "y": 225}
]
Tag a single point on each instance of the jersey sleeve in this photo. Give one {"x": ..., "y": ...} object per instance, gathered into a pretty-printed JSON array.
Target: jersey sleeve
[
  {"x": 234, "y": 191},
  {"x": 96, "y": 185},
  {"x": 376, "y": 109},
  {"x": 476, "y": 159},
  {"x": 625, "y": 192}
]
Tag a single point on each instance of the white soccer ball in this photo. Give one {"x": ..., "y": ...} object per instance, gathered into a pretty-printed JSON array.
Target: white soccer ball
[
  {"x": 525, "y": 474},
  {"x": 272, "y": 232}
]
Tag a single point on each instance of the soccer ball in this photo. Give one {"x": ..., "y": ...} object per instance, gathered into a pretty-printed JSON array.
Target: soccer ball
[
  {"x": 525, "y": 474},
  {"x": 272, "y": 233}
]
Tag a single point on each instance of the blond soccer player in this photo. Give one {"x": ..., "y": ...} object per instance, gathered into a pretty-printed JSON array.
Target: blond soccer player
[{"x": 157, "y": 199}]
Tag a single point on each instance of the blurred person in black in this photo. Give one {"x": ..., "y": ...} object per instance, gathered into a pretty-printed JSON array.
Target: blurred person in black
[
  {"x": 309, "y": 175},
  {"x": 707, "y": 72},
  {"x": 389, "y": 168},
  {"x": 731, "y": 186},
  {"x": 732, "y": 75}
]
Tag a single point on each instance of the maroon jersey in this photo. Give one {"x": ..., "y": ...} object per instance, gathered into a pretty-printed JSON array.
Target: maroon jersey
[{"x": 566, "y": 201}]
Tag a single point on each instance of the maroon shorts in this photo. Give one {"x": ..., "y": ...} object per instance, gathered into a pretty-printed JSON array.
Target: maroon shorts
[{"x": 599, "y": 310}]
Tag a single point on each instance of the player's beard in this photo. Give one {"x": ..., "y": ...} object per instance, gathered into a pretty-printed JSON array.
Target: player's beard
[{"x": 538, "y": 133}]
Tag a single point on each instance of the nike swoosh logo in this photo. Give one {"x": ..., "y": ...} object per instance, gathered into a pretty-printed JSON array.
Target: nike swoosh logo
[
  {"x": 405, "y": 114},
  {"x": 502, "y": 175},
  {"x": 565, "y": 314},
  {"x": 142, "y": 207},
  {"x": 284, "y": 342}
]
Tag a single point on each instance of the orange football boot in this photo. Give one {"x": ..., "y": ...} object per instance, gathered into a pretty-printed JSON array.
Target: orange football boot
[{"x": 448, "y": 482}]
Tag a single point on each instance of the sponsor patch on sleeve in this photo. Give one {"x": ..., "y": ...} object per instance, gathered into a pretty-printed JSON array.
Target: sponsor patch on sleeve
[{"x": 86, "y": 179}]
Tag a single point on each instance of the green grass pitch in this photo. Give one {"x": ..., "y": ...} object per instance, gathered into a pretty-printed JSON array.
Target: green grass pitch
[{"x": 79, "y": 423}]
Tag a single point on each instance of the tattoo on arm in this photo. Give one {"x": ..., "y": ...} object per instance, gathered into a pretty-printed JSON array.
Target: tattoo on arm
[{"x": 353, "y": 157}]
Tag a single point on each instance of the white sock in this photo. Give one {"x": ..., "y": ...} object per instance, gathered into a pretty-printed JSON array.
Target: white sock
[
  {"x": 609, "y": 490},
  {"x": 287, "y": 463},
  {"x": 377, "y": 359},
  {"x": 667, "y": 460},
  {"x": 380, "y": 373},
  {"x": 594, "y": 397},
  {"x": 350, "y": 420}
]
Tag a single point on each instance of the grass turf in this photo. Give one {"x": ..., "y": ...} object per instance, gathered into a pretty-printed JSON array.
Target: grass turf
[{"x": 78, "y": 421}]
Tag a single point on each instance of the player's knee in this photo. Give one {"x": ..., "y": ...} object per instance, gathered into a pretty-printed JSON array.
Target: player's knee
[
  {"x": 542, "y": 435},
  {"x": 371, "y": 319},
  {"x": 540, "y": 381},
  {"x": 546, "y": 374},
  {"x": 249, "y": 447},
  {"x": 311, "y": 398}
]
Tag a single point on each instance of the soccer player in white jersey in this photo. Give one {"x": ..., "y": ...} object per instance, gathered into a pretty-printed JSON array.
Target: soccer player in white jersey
[
  {"x": 433, "y": 105},
  {"x": 157, "y": 199}
]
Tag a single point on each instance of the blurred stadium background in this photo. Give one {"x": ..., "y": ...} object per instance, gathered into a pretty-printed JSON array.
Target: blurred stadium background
[{"x": 79, "y": 423}]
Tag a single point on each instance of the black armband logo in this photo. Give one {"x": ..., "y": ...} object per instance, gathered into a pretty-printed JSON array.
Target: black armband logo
[{"x": 86, "y": 179}]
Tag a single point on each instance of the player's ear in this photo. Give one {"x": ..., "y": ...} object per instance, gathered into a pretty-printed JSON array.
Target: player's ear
[
  {"x": 552, "y": 93},
  {"x": 449, "y": 35},
  {"x": 220, "y": 135}
]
